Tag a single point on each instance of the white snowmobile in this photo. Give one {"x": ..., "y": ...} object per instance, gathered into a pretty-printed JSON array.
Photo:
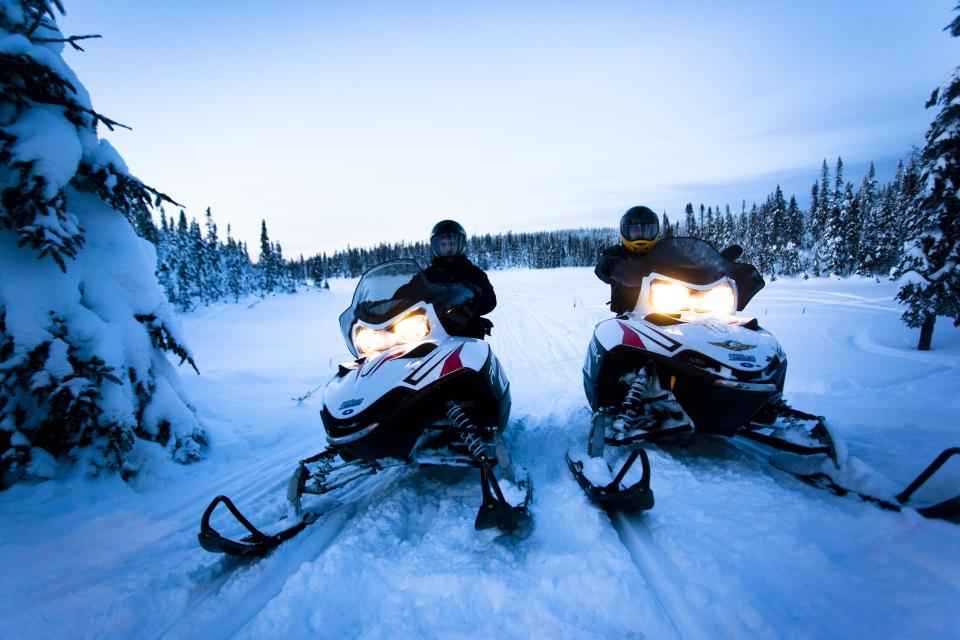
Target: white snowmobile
[
  {"x": 417, "y": 394},
  {"x": 682, "y": 363}
]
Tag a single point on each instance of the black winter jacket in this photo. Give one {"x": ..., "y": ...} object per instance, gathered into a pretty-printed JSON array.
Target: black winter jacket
[{"x": 459, "y": 269}]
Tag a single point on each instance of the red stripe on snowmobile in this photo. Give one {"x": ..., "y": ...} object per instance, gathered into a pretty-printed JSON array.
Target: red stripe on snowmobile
[
  {"x": 630, "y": 337},
  {"x": 384, "y": 359},
  {"x": 452, "y": 363}
]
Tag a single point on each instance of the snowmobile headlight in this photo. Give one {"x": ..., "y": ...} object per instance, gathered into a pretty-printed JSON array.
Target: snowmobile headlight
[
  {"x": 669, "y": 297},
  {"x": 412, "y": 328},
  {"x": 368, "y": 340},
  {"x": 718, "y": 301}
]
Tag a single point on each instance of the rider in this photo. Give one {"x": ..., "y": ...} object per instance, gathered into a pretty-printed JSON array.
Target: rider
[
  {"x": 639, "y": 232},
  {"x": 448, "y": 243}
]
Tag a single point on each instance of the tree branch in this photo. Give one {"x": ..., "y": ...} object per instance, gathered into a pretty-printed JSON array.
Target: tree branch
[{"x": 71, "y": 40}]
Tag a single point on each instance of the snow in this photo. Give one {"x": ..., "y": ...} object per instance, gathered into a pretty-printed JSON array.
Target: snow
[
  {"x": 733, "y": 548},
  {"x": 47, "y": 139}
]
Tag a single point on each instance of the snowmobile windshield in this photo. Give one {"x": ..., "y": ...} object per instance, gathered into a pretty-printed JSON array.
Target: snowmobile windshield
[
  {"x": 388, "y": 289},
  {"x": 690, "y": 260}
]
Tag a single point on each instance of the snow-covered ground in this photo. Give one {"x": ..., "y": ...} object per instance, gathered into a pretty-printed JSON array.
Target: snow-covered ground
[{"x": 733, "y": 548}]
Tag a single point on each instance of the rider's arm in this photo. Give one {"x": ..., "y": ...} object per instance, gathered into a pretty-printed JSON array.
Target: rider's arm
[
  {"x": 608, "y": 260},
  {"x": 486, "y": 298}
]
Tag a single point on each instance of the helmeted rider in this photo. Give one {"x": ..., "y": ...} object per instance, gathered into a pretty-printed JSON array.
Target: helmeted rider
[
  {"x": 448, "y": 244},
  {"x": 639, "y": 232}
]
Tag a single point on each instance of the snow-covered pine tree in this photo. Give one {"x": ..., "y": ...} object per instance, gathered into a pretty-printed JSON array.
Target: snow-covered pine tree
[
  {"x": 777, "y": 234},
  {"x": 791, "y": 258},
  {"x": 866, "y": 261},
  {"x": 689, "y": 221},
  {"x": 214, "y": 280},
  {"x": 266, "y": 262},
  {"x": 83, "y": 321},
  {"x": 850, "y": 228},
  {"x": 930, "y": 268}
]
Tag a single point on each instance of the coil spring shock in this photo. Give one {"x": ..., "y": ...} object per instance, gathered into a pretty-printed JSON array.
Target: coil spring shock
[
  {"x": 469, "y": 433},
  {"x": 631, "y": 409}
]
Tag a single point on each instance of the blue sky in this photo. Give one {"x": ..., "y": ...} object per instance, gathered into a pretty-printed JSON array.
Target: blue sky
[{"x": 361, "y": 122}]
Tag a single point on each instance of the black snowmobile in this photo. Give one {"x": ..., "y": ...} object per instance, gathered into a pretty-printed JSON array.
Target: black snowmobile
[
  {"x": 417, "y": 394},
  {"x": 682, "y": 363}
]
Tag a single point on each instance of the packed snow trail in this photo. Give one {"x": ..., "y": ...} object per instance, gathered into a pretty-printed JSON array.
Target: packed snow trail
[{"x": 733, "y": 547}]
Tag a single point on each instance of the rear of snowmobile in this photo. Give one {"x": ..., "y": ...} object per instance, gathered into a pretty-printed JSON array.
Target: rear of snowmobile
[
  {"x": 682, "y": 362},
  {"x": 416, "y": 394}
]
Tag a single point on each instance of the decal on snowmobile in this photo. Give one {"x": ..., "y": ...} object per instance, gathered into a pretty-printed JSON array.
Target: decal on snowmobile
[
  {"x": 417, "y": 375},
  {"x": 739, "y": 357},
  {"x": 452, "y": 362},
  {"x": 353, "y": 402},
  {"x": 658, "y": 338},
  {"x": 630, "y": 337},
  {"x": 383, "y": 359},
  {"x": 733, "y": 345}
]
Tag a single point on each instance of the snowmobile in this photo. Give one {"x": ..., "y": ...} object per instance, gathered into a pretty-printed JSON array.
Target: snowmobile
[
  {"x": 683, "y": 363},
  {"x": 416, "y": 394}
]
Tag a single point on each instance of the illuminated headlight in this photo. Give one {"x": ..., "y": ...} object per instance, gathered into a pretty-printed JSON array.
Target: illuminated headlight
[
  {"x": 718, "y": 301},
  {"x": 412, "y": 328},
  {"x": 670, "y": 297}
]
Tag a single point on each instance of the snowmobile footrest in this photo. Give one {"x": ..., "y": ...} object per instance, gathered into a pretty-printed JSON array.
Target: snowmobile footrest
[
  {"x": 637, "y": 497},
  {"x": 256, "y": 544},
  {"x": 495, "y": 510},
  {"x": 784, "y": 445},
  {"x": 652, "y": 436}
]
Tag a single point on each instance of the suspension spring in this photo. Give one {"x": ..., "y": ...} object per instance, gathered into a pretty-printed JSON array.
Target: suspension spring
[
  {"x": 469, "y": 433},
  {"x": 631, "y": 409}
]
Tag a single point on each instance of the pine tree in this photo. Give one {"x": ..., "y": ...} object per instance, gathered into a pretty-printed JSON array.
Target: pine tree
[
  {"x": 689, "y": 222},
  {"x": 266, "y": 262},
  {"x": 83, "y": 373},
  {"x": 866, "y": 261},
  {"x": 930, "y": 268}
]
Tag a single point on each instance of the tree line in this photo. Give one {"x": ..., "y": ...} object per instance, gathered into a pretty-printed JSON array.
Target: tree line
[{"x": 845, "y": 230}]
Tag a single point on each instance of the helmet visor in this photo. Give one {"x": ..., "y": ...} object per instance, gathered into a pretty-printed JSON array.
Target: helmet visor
[
  {"x": 446, "y": 245},
  {"x": 640, "y": 231}
]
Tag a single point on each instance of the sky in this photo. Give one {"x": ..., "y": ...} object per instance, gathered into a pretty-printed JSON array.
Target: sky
[{"x": 363, "y": 122}]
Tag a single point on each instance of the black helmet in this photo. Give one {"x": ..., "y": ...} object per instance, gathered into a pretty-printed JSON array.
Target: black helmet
[
  {"x": 451, "y": 235},
  {"x": 639, "y": 229}
]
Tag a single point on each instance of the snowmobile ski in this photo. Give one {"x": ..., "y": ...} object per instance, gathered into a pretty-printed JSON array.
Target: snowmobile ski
[
  {"x": 614, "y": 495},
  {"x": 948, "y": 509},
  {"x": 255, "y": 544},
  {"x": 325, "y": 474}
]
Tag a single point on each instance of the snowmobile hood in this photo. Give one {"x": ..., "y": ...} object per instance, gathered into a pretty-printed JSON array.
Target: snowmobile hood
[
  {"x": 690, "y": 260},
  {"x": 715, "y": 344},
  {"x": 360, "y": 384}
]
